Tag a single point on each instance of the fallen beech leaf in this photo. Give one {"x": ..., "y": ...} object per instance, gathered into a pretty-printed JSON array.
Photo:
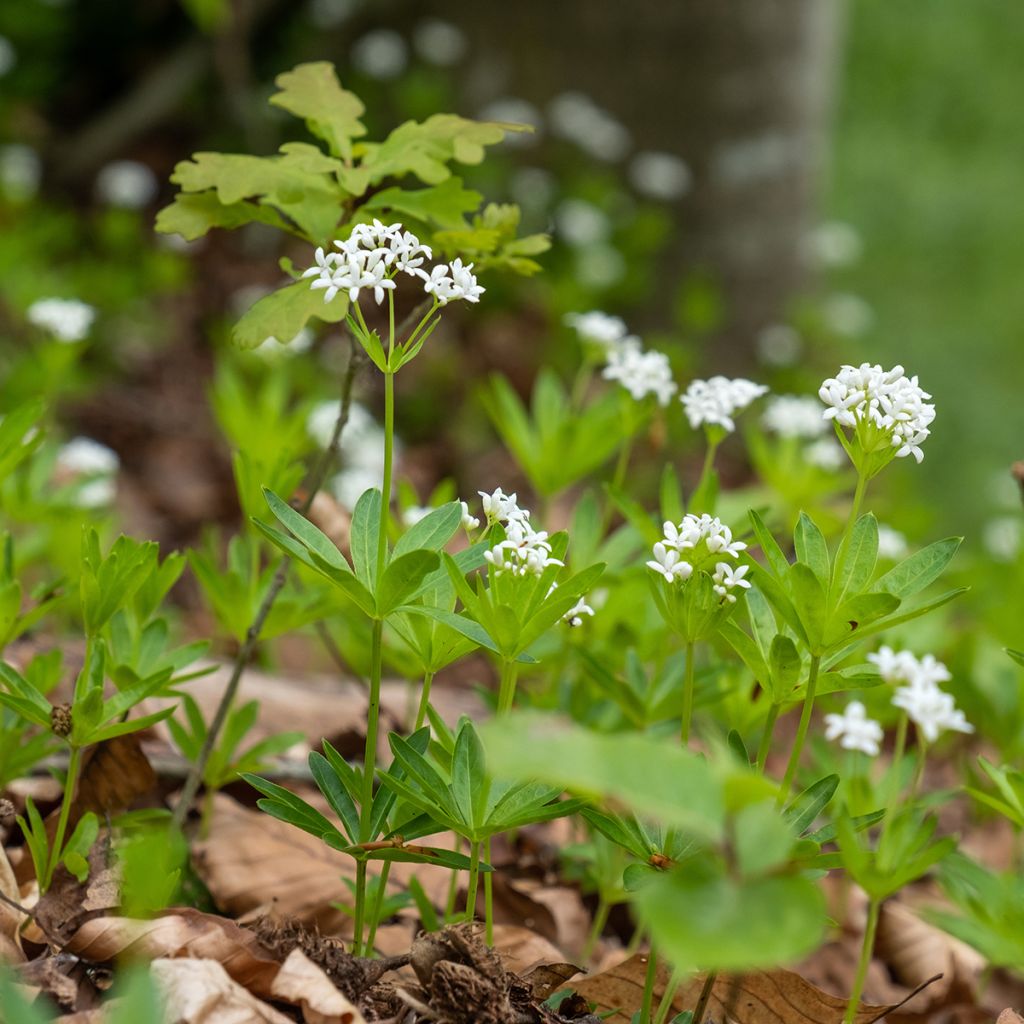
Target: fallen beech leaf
[
  {"x": 10, "y": 919},
  {"x": 547, "y": 979},
  {"x": 775, "y": 997},
  {"x": 915, "y": 951},
  {"x": 114, "y": 777},
  {"x": 51, "y": 974},
  {"x": 305, "y": 985},
  {"x": 522, "y": 949},
  {"x": 200, "y": 992},
  {"x": 1009, "y": 1016},
  {"x": 181, "y": 933},
  {"x": 68, "y": 903}
]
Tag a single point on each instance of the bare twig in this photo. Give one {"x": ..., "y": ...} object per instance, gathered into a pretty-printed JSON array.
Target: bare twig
[
  {"x": 17, "y": 906},
  {"x": 315, "y": 480}
]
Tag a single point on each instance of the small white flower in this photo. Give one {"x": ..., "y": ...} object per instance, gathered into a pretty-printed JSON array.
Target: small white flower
[
  {"x": 574, "y": 616},
  {"x": 464, "y": 284},
  {"x": 893, "y": 666},
  {"x": 714, "y": 402},
  {"x": 661, "y": 176},
  {"x": 848, "y": 315},
  {"x": 523, "y": 552},
  {"x": 579, "y": 223},
  {"x": 469, "y": 521},
  {"x": 128, "y": 184},
  {"x": 500, "y": 507},
  {"x": 599, "y": 328},
  {"x": 414, "y": 513},
  {"x": 667, "y": 562},
  {"x": 96, "y": 464},
  {"x": 727, "y": 578},
  {"x": 932, "y": 710},
  {"x": 891, "y": 543},
  {"x": 641, "y": 373},
  {"x": 68, "y": 320},
  {"x": 854, "y": 730},
  {"x": 794, "y": 416},
  {"x": 779, "y": 345},
  {"x": 439, "y": 42},
  {"x": 825, "y": 453},
  {"x": 834, "y": 244}
]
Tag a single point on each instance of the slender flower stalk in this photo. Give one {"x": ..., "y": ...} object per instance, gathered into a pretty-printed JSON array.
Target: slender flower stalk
[
  {"x": 474, "y": 880},
  {"x": 421, "y": 713},
  {"x": 647, "y": 1002},
  {"x": 56, "y": 848},
  {"x": 378, "y": 905},
  {"x": 688, "y": 685},
  {"x": 865, "y": 960},
  {"x": 766, "y": 736},
  {"x": 488, "y": 896},
  {"x": 801, "y": 731}
]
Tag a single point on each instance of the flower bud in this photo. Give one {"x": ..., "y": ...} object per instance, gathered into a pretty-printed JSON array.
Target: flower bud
[{"x": 60, "y": 720}]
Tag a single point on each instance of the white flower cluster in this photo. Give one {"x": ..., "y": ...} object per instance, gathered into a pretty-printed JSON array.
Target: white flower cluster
[
  {"x": 714, "y": 402},
  {"x": 598, "y": 328},
  {"x": 524, "y": 551},
  {"x": 794, "y": 416},
  {"x": 374, "y": 253},
  {"x": 574, "y": 616},
  {"x": 703, "y": 539},
  {"x": 67, "y": 320},
  {"x": 931, "y": 709},
  {"x": 641, "y": 373},
  {"x": 128, "y": 184},
  {"x": 362, "y": 446},
  {"x": 888, "y": 400},
  {"x": 854, "y": 730},
  {"x": 95, "y": 465}
]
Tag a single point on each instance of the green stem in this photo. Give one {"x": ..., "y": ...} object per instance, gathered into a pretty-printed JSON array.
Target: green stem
[
  {"x": 893, "y": 795},
  {"x": 372, "y": 723},
  {"x": 922, "y": 751},
  {"x": 385, "y": 494},
  {"x": 688, "y": 694},
  {"x": 865, "y": 960},
  {"x": 665, "y": 1006},
  {"x": 844, "y": 543},
  {"x": 766, "y": 737},
  {"x": 649, "y": 979},
  {"x": 360, "y": 909},
  {"x": 421, "y": 714},
  {"x": 474, "y": 881},
  {"x": 705, "y": 997},
  {"x": 801, "y": 731},
  {"x": 378, "y": 904},
  {"x": 56, "y": 849},
  {"x": 705, "y": 476},
  {"x": 488, "y": 896},
  {"x": 507, "y": 689},
  {"x": 596, "y": 928},
  {"x": 453, "y": 885}
]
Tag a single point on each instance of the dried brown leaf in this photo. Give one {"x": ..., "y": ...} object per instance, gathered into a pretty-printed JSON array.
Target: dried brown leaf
[
  {"x": 522, "y": 949},
  {"x": 775, "y": 997},
  {"x": 303, "y": 984},
  {"x": 10, "y": 919},
  {"x": 114, "y": 778},
  {"x": 1009, "y": 1016},
  {"x": 201, "y": 992}
]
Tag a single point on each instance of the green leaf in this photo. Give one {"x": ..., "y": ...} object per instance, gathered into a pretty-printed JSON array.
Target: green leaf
[
  {"x": 282, "y": 314},
  {"x": 312, "y": 91},
  {"x": 763, "y": 839},
  {"x": 649, "y": 776},
  {"x": 803, "y": 811},
  {"x": 283, "y": 804},
  {"x": 335, "y": 793},
  {"x": 913, "y": 574},
  {"x": 809, "y": 601},
  {"x": 701, "y": 918},
  {"x": 403, "y": 578},
  {"x": 433, "y": 531},
  {"x": 777, "y": 561},
  {"x": 312, "y": 538},
  {"x": 785, "y": 665},
  {"x": 444, "y": 205},
  {"x": 194, "y": 214},
  {"x": 1017, "y": 656},
  {"x": 469, "y": 776},
  {"x": 861, "y": 555},
  {"x": 811, "y": 548},
  {"x": 364, "y": 536}
]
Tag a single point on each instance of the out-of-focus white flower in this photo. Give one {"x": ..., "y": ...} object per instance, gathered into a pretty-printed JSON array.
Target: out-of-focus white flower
[
  {"x": 513, "y": 110},
  {"x": 8, "y": 55},
  {"x": 881, "y": 404},
  {"x": 704, "y": 540},
  {"x": 126, "y": 183},
  {"x": 932, "y": 710},
  {"x": 20, "y": 171},
  {"x": 714, "y": 402},
  {"x": 641, "y": 373},
  {"x": 1002, "y": 538},
  {"x": 891, "y": 543},
  {"x": 727, "y": 578},
  {"x": 331, "y": 13},
  {"x": 532, "y": 187},
  {"x": 500, "y": 507},
  {"x": 580, "y": 223},
  {"x": 854, "y": 730},
  {"x": 779, "y": 345},
  {"x": 439, "y": 42},
  {"x": 599, "y": 328},
  {"x": 352, "y": 483},
  {"x": 893, "y": 666},
  {"x": 67, "y": 320},
  {"x": 574, "y": 616},
  {"x": 523, "y": 552},
  {"x": 381, "y": 54},
  {"x": 362, "y": 439},
  {"x": 794, "y": 416},
  {"x": 662, "y": 176},
  {"x": 834, "y": 244},
  {"x": 414, "y": 513},
  {"x": 848, "y": 315},
  {"x": 95, "y": 465},
  {"x": 576, "y": 117},
  {"x": 271, "y": 349},
  {"x": 825, "y": 453},
  {"x": 469, "y": 521}
]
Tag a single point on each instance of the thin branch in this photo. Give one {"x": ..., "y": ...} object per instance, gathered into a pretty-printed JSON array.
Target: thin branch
[
  {"x": 17, "y": 906},
  {"x": 314, "y": 481}
]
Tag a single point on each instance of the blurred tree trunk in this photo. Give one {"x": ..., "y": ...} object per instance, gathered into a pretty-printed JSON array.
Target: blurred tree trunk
[{"x": 740, "y": 89}]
